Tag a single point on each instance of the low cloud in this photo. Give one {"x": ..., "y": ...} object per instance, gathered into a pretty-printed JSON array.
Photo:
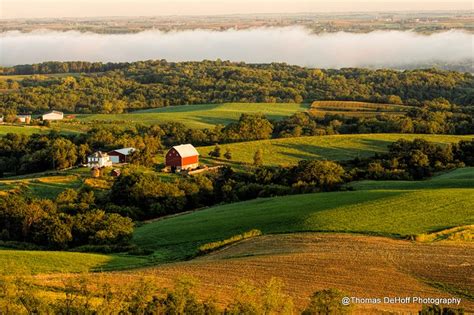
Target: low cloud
[{"x": 293, "y": 45}]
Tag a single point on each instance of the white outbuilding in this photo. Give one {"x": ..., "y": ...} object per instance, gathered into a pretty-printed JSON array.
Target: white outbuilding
[{"x": 53, "y": 115}]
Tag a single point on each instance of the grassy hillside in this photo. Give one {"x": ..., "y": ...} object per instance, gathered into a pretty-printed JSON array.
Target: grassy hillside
[
  {"x": 198, "y": 116},
  {"x": 337, "y": 147},
  {"x": 41, "y": 187},
  {"x": 19, "y": 262},
  {"x": 386, "y": 210}
]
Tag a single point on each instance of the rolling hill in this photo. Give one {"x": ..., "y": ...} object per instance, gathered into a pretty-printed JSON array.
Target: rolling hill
[
  {"x": 384, "y": 210},
  {"x": 197, "y": 116}
]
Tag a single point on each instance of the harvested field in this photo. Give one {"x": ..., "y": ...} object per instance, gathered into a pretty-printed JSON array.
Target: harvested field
[
  {"x": 356, "y": 109},
  {"x": 363, "y": 266}
]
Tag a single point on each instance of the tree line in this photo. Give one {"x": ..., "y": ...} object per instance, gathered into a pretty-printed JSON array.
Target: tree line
[{"x": 115, "y": 88}]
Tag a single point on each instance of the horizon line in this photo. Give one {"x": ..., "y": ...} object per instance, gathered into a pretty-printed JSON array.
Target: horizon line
[{"x": 241, "y": 14}]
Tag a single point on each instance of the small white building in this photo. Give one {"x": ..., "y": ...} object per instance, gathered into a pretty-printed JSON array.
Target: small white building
[
  {"x": 53, "y": 115},
  {"x": 98, "y": 159},
  {"x": 1, "y": 119}
]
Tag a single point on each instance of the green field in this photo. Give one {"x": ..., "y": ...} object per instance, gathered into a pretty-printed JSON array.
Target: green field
[
  {"x": 26, "y": 130},
  {"x": 384, "y": 210},
  {"x": 41, "y": 187},
  {"x": 21, "y": 262},
  {"x": 288, "y": 151},
  {"x": 198, "y": 116}
]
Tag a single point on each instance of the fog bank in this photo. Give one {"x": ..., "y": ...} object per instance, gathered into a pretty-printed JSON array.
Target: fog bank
[{"x": 293, "y": 45}]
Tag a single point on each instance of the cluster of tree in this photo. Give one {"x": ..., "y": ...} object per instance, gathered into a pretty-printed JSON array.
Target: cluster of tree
[
  {"x": 20, "y": 154},
  {"x": 70, "y": 221},
  {"x": 415, "y": 159},
  {"x": 115, "y": 88},
  {"x": 144, "y": 297}
]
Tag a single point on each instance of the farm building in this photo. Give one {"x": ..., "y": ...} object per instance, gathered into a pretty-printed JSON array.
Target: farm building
[
  {"x": 98, "y": 159},
  {"x": 26, "y": 119},
  {"x": 121, "y": 155},
  {"x": 53, "y": 115},
  {"x": 115, "y": 172},
  {"x": 182, "y": 157}
]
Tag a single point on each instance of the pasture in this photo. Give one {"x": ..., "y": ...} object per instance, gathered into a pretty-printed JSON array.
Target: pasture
[
  {"x": 26, "y": 262},
  {"x": 25, "y": 130},
  {"x": 41, "y": 186},
  {"x": 196, "y": 116},
  {"x": 287, "y": 151}
]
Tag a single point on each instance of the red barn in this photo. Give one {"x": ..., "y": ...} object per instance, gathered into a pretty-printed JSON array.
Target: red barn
[{"x": 182, "y": 157}]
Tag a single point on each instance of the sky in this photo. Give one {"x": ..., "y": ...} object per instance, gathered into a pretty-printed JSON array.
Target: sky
[{"x": 10, "y": 9}]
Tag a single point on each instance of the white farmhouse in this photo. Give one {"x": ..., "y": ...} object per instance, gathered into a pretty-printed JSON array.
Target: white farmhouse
[
  {"x": 99, "y": 159},
  {"x": 53, "y": 115}
]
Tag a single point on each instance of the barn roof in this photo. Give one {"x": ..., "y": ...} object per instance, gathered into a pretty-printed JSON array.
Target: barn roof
[
  {"x": 186, "y": 150},
  {"x": 125, "y": 151},
  {"x": 54, "y": 112}
]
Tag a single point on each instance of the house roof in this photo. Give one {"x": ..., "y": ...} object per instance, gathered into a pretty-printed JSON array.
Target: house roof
[
  {"x": 125, "y": 151},
  {"x": 99, "y": 154},
  {"x": 186, "y": 150}
]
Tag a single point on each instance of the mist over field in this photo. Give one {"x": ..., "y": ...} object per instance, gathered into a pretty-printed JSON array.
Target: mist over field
[{"x": 293, "y": 45}]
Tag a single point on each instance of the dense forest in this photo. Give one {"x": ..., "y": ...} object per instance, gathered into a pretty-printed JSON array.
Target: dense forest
[{"x": 115, "y": 88}]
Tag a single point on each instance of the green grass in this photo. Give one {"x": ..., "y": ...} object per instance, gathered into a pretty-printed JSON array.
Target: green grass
[
  {"x": 22, "y": 262},
  {"x": 26, "y": 130},
  {"x": 385, "y": 210},
  {"x": 198, "y": 116},
  {"x": 41, "y": 187},
  {"x": 460, "y": 178},
  {"x": 337, "y": 147}
]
